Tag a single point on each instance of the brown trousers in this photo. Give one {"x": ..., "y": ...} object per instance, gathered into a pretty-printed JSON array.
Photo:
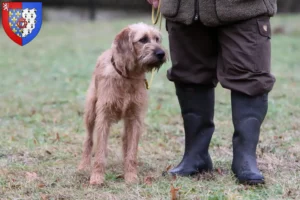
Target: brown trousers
[{"x": 236, "y": 55}]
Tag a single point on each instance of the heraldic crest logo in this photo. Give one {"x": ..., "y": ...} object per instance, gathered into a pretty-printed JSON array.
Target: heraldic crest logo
[{"x": 22, "y": 21}]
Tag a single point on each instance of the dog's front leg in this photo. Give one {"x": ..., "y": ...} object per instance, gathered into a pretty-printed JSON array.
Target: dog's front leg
[
  {"x": 133, "y": 130},
  {"x": 102, "y": 131}
]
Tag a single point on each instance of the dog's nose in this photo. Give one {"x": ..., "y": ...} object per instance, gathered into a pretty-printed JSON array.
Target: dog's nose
[{"x": 160, "y": 54}]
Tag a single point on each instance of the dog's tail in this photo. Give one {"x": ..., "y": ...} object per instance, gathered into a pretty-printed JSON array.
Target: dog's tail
[
  {"x": 89, "y": 119},
  {"x": 90, "y": 113}
]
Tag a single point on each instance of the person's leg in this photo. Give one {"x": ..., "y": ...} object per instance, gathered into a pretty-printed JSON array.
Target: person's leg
[
  {"x": 244, "y": 68},
  {"x": 194, "y": 58}
]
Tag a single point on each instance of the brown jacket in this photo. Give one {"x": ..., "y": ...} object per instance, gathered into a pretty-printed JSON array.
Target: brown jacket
[{"x": 216, "y": 12}]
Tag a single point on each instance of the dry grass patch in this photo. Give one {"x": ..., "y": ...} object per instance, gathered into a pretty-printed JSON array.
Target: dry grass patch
[{"x": 43, "y": 87}]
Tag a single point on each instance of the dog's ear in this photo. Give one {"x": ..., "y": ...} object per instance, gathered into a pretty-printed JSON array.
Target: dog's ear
[
  {"x": 123, "y": 42},
  {"x": 123, "y": 50}
]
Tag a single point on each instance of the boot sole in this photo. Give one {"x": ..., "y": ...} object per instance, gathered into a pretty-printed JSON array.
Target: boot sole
[
  {"x": 252, "y": 182},
  {"x": 188, "y": 174}
]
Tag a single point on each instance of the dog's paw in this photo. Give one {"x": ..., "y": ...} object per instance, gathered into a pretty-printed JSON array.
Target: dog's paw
[
  {"x": 131, "y": 178},
  {"x": 96, "y": 179}
]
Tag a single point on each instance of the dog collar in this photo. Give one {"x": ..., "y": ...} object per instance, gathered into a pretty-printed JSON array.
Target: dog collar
[{"x": 127, "y": 77}]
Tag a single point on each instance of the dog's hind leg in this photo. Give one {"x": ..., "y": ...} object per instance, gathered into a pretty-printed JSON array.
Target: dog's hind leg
[
  {"x": 102, "y": 127},
  {"x": 89, "y": 118}
]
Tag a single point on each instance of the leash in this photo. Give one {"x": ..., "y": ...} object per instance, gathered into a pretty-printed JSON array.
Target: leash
[{"x": 156, "y": 17}]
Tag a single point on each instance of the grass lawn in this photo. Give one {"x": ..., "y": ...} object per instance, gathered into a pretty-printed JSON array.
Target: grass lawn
[{"x": 42, "y": 91}]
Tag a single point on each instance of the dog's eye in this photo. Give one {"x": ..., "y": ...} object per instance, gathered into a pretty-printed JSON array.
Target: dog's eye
[
  {"x": 144, "y": 40},
  {"x": 157, "y": 39}
]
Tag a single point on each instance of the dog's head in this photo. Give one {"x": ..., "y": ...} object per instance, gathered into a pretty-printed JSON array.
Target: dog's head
[{"x": 138, "y": 48}]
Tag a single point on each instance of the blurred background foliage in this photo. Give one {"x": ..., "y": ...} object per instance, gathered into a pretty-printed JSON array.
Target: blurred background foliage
[
  {"x": 90, "y": 7},
  {"x": 283, "y": 5}
]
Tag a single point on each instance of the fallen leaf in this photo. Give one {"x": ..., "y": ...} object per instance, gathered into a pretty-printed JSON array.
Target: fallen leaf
[
  {"x": 158, "y": 107},
  {"x": 165, "y": 172},
  {"x": 48, "y": 152},
  {"x": 35, "y": 141},
  {"x": 148, "y": 180},
  {"x": 121, "y": 176},
  {"x": 57, "y": 180},
  {"x": 57, "y": 138},
  {"x": 161, "y": 145},
  {"x": 219, "y": 171},
  {"x": 15, "y": 186},
  {"x": 31, "y": 176},
  {"x": 168, "y": 168},
  {"x": 41, "y": 185},
  {"x": 12, "y": 138},
  {"x": 33, "y": 111},
  {"x": 44, "y": 197},
  {"x": 174, "y": 177},
  {"x": 174, "y": 192}
]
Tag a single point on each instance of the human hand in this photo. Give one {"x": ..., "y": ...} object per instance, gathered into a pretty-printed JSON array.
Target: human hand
[{"x": 154, "y": 3}]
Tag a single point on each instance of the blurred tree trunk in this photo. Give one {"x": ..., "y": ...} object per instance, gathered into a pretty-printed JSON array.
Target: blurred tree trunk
[
  {"x": 92, "y": 7},
  {"x": 142, "y": 5}
]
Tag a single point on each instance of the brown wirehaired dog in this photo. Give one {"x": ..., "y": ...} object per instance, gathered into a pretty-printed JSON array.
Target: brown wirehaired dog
[{"x": 118, "y": 91}]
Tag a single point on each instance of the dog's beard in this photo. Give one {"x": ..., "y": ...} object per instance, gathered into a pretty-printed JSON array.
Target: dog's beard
[{"x": 149, "y": 61}]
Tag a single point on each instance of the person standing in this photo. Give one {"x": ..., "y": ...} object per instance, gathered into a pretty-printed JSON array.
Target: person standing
[{"x": 222, "y": 41}]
